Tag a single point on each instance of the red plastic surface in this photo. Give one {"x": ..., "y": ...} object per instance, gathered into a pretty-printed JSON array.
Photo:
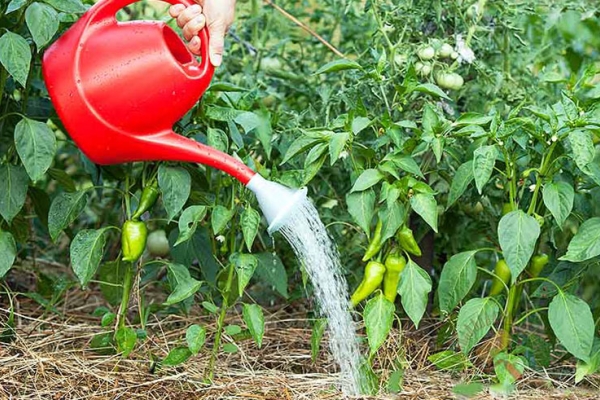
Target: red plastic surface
[{"x": 119, "y": 87}]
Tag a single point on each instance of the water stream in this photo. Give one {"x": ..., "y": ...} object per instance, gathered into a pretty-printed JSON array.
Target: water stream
[{"x": 308, "y": 237}]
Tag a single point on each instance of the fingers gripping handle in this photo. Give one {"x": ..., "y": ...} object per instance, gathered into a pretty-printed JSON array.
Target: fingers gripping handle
[{"x": 106, "y": 9}]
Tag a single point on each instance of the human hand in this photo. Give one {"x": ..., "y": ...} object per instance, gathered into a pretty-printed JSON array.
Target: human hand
[{"x": 217, "y": 15}]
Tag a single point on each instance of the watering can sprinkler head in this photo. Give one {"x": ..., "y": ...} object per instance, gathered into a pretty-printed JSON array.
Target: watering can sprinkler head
[
  {"x": 119, "y": 87},
  {"x": 276, "y": 201}
]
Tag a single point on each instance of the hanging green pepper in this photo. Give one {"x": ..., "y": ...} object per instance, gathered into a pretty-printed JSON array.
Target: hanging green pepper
[
  {"x": 407, "y": 241},
  {"x": 537, "y": 265},
  {"x": 133, "y": 240},
  {"x": 375, "y": 244},
  {"x": 149, "y": 196},
  {"x": 503, "y": 273},
  {"x": 394, "y": 265},
  {"x": 371, "y": 280}
]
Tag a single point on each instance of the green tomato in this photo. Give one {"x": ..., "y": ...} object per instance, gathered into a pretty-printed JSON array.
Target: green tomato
[
  {"x": 426, "y": 53},
  {"x": 450, "y": 80},
  {"x": 158, "y": 244},
  {"x": 445, "y": 51}
]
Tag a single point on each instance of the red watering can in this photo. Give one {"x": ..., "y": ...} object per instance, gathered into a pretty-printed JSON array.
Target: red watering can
[{"x": 119, "y": 87}]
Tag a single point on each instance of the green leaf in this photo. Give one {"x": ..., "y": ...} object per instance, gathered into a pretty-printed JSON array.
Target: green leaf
[
  {"x": 36, "y": 145},
  {"x": 258, "y": 122},
  {"x": 359, "y": 124},
  {"x": 175, "y": 185},
  {"x": 475, "y": 319},
  {"x": 582, "y": 147},
  {"x": 15, "y": 56},
  {"x": 195, "y": 336},
  {"x": 298, "y": 146},
  {"x": 230, "y": 348},
  {"x": 468, "y": 390},
  {"x": 253, "y": 317},
  {"x": 431, "y": 90},
  {"x": 378, "y": 316},
  {"x": 316, "y": 336},
  {"x": 337, "y": 143},
  {"x": 42, "y": 21},
  {"x": 407, "y": 164},
  {"x": 368, "y": 178},
  {"x": 472, "y": 118},
  {"x": 188, "y": 222},
  {"x": 220, "y": 217},
  {"x": 182, "y": 283},
  {"x": 484, "y": 159},
  {"x": 558, "y": 198},
  {"x": 233, "y": 330},
  {"x": 108, "y": 319},
  {"x": 583, "y": 368},
  {"x": 425, "y": 205},
  {"x": 15, "y": 5},
  {"x": 125, "y": 338},
  {"x": 68, "y": 6},
  {"x": 245, "y": 265},
  {"x": 249, "y": 220},
  {"x": 518, "y": 233},
  {"x": 586, "y": 243},
  {"x": 449, "y": 360},
  {"x": 508, "y": 368},
  {"x": 272, "y": 271},
  {"x": 462, "y": 178},
  {"x": 111, "y": 275},
  {"x": 14, "y": 190},
  {"x": 177, "y": 356},
  {"x": 573, "y": 324},
  {"x": 65, "y": 208},
  {"x": 8, "y": 252},
  {"x": 361, "y": 207},
  {"x": 393, "y": 216},
  {"x": 217, "y": 139},
  {"x": 86, "y": 252},
  {"x": 337, "y": 65},
  {"x": 458, "y": 277},
  {"x": 414, "y": 288}
]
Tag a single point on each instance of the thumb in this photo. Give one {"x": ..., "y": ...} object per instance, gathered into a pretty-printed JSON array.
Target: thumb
[{"x": 216, "y": 45}]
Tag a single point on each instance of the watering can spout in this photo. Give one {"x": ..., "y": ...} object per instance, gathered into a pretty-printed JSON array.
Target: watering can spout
[{"x": 276, "y": 201}]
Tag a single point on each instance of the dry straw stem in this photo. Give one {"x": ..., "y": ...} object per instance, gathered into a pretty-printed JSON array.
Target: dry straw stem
[{"x": 305, "y": 28}]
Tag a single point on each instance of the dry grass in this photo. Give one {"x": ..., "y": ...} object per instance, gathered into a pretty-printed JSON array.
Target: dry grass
[{"x": 51, "y": 359}]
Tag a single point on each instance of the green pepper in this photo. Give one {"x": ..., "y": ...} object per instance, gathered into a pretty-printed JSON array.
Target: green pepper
[
  {"x": 407, "y": 241},
  {"x": 149, "y": 196},
  {"x": 503, "y": 278},
  {"x": 537, "y": 265},
  {"x": 133, "y": 240},
  {"x": 375, "y": 244},
  {"x": 372, "y": 278},
  {"x": 394, "y": 265}
]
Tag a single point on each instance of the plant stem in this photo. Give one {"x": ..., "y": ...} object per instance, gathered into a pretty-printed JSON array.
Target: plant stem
[
  {"x": 127, "y": 284},
  {"x": 513, "y": 295},
  {"x": 224, "y": 307}
]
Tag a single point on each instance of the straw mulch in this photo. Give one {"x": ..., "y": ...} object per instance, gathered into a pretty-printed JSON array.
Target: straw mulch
[{"x": 51, "y": 359}]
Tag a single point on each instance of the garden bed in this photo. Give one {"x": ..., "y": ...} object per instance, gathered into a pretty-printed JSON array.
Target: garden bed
[{"x": 51, "y": 359}]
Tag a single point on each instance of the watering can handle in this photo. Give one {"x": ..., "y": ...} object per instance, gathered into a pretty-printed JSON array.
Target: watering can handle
[{"x": 105, "y": 9}]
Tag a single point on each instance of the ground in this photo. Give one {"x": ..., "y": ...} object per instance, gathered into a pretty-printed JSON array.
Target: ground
[{"x": 51, "y": 359}]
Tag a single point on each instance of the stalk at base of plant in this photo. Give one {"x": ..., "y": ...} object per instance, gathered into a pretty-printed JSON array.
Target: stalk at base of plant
[
  {"x": 127, "y": 285},
  {"x": 218, "y": 334}
]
